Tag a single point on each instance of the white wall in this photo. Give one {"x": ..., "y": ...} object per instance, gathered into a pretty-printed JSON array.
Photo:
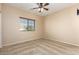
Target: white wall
[
  {"x": 63, "y": 26},
  {"x": 11, "y": 34}
]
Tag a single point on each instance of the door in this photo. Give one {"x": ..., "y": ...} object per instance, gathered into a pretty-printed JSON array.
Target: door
[{"x": 0, "y": 32}]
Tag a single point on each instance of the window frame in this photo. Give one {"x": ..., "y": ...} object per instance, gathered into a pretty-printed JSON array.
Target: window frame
[{"x": 33, "y": 27}]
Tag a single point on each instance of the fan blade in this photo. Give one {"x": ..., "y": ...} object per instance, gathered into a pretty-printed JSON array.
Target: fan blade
[
  {"x": 36, "y": 8},
  {"x": 46, "y": 9},
  {"x": 46, "y": 4},
  {"x": 38, "y": 4}
]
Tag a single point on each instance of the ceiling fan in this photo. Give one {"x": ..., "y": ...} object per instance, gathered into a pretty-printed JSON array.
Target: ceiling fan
[{"x": 41, "y": 7}]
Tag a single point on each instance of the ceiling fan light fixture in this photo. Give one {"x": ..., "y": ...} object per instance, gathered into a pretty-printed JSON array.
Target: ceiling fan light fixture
[{"x": 41, "y": 7}]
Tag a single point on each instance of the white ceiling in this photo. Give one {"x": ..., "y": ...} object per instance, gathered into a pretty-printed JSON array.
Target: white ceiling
[{"x": 53, "y": 7}]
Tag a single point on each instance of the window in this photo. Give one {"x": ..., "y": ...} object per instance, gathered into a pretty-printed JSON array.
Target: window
[{"x": 27, "y": 24}]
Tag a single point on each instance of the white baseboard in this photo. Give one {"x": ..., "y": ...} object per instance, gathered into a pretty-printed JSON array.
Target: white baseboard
[
  {"x": 20, "y": 41},
  {"x": 50, "y": 38}
]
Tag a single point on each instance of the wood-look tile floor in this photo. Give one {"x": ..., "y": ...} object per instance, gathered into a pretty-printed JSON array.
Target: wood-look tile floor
[{"x": 40, "y": 47}]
